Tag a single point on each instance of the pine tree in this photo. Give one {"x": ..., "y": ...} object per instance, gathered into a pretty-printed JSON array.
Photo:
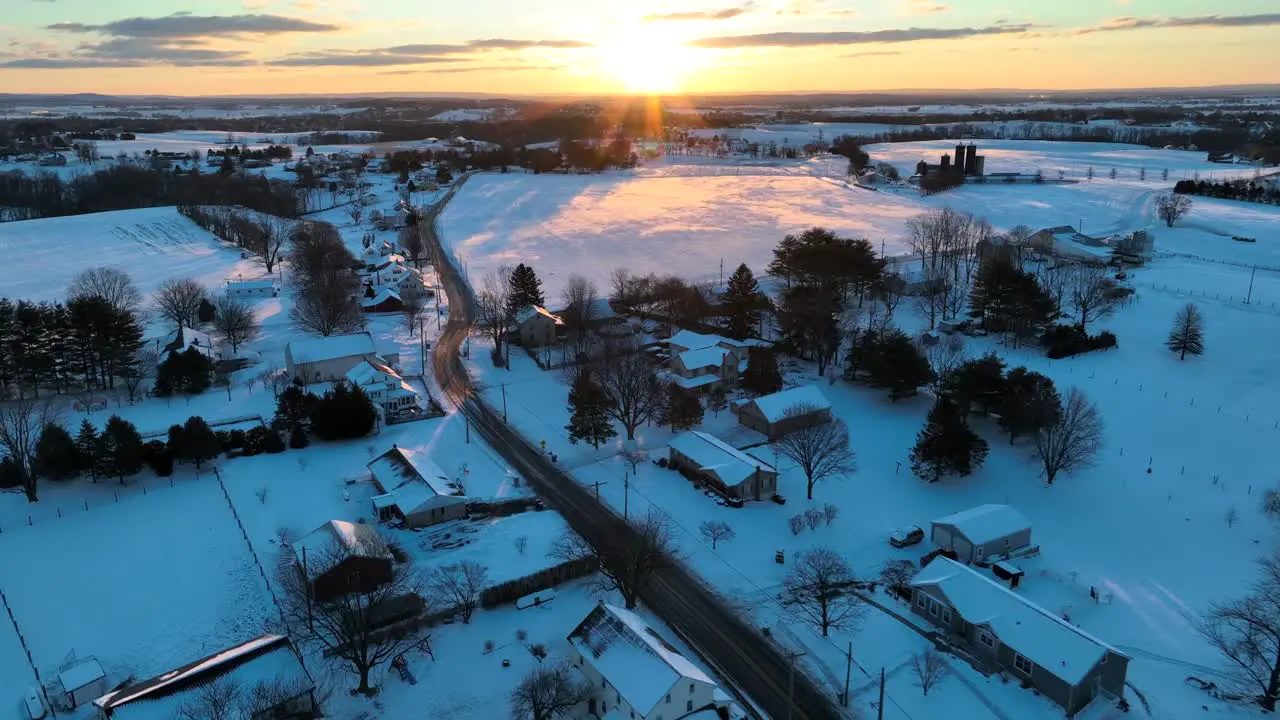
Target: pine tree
[
  {"x": 977, "y": 385},
  {"x": 56, "y": 455},
  {"x": 1187, "y": 335},
  {"x": 8, "y": 373},
  {"x": 684, "y": 409},
  {"x": 120, "y": 448},
  {"x": 743, "y": 304},
  {"x": 946, "y": 445},
  {"x": 294, "y": 407},
  {"x": 345, "y": 412},
  {"x": 87, "y": 448},
  {"x": 207, "y": 311},
  {"x": 588, "y": 415},
  {"x": 762, "y": 376},
  {"x": 200, "y": 442},
  {"x": 177, "y": 442},
  {"x": 1030, "y": 402},
  {"x": 862, "y": 345},
  {"x": 898, "y": 364},
  {"x": 717, "y": 399},
  {"x": 525, "y": 290}
]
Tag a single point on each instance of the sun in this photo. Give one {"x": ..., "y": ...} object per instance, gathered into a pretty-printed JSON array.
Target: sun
[{"x": 647, "y": 60}]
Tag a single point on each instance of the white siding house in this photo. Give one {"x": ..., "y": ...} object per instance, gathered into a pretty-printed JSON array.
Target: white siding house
[
  {"x": 414, "y": 488},
  {"x": 978, "y": 533},
  {"x": 328, "y": 359}
]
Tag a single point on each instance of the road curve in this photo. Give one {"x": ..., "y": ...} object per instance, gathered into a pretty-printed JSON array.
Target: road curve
[{"x": 732, "y": 646}]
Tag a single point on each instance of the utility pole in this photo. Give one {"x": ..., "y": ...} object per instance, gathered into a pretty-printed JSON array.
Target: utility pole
[
  {"x": 848, "y": 673},
  {"x": 791, "y": 682},
  {"x": 880, "y": 706},
  {"x": 1251, "y": 275},
  {"x": 504, "y": 402},
  {"x": 626, "y": 495},
  {"x": 468, "y": 421},
  {"x": 597, "y": 485}
]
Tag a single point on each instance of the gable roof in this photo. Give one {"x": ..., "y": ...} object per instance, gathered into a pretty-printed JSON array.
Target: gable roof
[
  {"x": 528, "y": 312},
  {"x": 161, "y": 697},
  {"x": 345, "y": 538},
  {"x": 711, "y": 356},
  {"x": 730, "y": 464},
  {"x": 1033, "y": 632},
  {"x": 690, "y": 340},
  {"x": 383, "y": 295},
  {"x": 774, "y": 407},
  {"x": 632, "y": 656},
  {"x": 412, "y": 481},
  {"x": 330, "y": 348},
  {"x": 984, "y": 523},
  {"x": 259, "y": 284}
]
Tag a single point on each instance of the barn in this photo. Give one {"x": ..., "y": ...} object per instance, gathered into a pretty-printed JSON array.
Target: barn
[{"x": 978, "y": 533}]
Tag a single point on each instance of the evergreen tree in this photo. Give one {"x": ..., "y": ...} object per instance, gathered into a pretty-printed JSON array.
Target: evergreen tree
[
  {"x": 717, "y": 399},
  {"x": 344, "y": 412},
  {"x": 762, "y": 376},
  {"x": 272, "y": 443},
  {"x": 525, "y": 290},
  {"x": 158, "y": 458},
  {"x": 1030, "y": 402},
  {"x": 683, "y": 408},
  {"x": 56, "y": 454},
  {"x": 120, "y": 448},
  {"x": 294, "y": 408},
  {"x": 897, "y": 364},
  {"x": 977, "y": 385},
  {"x": 87, "y": 448},
  {"x": 8, "y": 373},
  {"x": 298, "y": 438},
  {"x": 190, "y": 372},
  {"x": 743, "y": 304},
  {"x": 200, "y": 442},
  {"x": 1187, "y": 336},
  {"x": 1006, "y": 299},
  {"x": 588, "y": 412},
  {"x": 946, "y": 445},
  {"x": 862, "y": 345},
  {"x": 177, "y": 442},
  {"x": 207, "y": 312}
]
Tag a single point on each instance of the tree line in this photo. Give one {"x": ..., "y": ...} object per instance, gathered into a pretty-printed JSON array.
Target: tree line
[{"x": 1246, "y": 190}]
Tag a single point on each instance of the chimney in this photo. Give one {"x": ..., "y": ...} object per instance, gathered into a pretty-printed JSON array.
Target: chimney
[{"x": 960, "y": 157}]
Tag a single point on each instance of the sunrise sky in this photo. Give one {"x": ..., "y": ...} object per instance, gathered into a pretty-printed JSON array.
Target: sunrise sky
[{"x": 224, "y": 47}]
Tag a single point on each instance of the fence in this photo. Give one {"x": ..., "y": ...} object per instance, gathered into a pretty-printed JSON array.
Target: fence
[
  {"x": 512, "y": 590},
  {"x": 47, "y": 511},
  {"x": 1268, "y": 306},
  {"x": 256, "y": 561}
]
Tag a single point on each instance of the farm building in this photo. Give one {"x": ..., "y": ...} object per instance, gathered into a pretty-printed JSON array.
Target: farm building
[
  {"x": 978, "y": 533},
  {"x": 186, "y": 338},
  {"x": 414, "y": 489},
  {"x": 719, "y": 465},
  {"x": 536, "y": 326},
  {"x": 341, "y": 557},
  {"x": 769, "y": 414},
  {"x": 1010, "y": 633},
  {"x": 270, "y": 658},
  {"x": 329, "y": 358},
  {"x": 265, "y": 287},
  {"x": 81, "y": 682},
  {"x": 633, "y": 672},
  {"x": 381, "y": 301}
]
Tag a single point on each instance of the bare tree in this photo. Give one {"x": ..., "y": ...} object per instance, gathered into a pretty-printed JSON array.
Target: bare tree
[
  {"x": 274, "y": 378},
  {"x": 821, "y": 450},
  {"x": 111, "y": 284},
  {"x": 327, "y": 309},
  {"x": 22, "y": 422},
  {"x": 413, "y": 243},
  {"x": 579, "y": 298},
  {"x": 179, "y": 301},
  {"x": 133, "y": 377},
  {"x": 270, "y": 693},
  {"x": 1171, "y": 207},
  {"x": 234, "y": 322},
  {"x": 627, "y": 562},
  {"x": 412, "y": 311},
  {"x": 457, "y": 586},
  {"x": 219, "y": 699},
  {"x": 1073, "y": 441},
  {"x": 1092, "y": 293},
  {"x": 715, "y": 531},
  {"x": 631, "y": 389},
  {"x": 1247, "y": 632},
  {"x": 931, "y": 294},
  {"x": 522, "y": 543},
  {"x": 1055, "y": 279},
  {"x": 897, "y": 574},
  {"x": 86, "y": 151},
  {"x": 356, "y": 210},
  {"x": 1019, "y": 241},
  {"x": 929, "y": 667},
  {"x": 1187, "y": 335},
  {"x": 548, "y": 691},
  {"x": 820, "y": 588},
  {"x": 493, "y": 317},
  {"x": 945, "y": 356},
  {"x": 359, "y": 628},
  {"x": 268, "y": 241}
]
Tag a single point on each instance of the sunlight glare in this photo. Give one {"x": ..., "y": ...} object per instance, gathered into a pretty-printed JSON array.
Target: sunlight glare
[{"x": 648, "y": 60}]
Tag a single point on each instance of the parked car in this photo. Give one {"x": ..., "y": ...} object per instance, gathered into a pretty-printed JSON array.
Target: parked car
[
  {"x": 734, "y": 502},
  {"x": 906, "y": 536},
  {"x": 779, "y": 499},
  {"x": 34, "y": 705}
]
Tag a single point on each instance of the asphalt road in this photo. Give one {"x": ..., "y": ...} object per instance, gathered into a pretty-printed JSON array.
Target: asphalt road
[{"x": 733, "y": 647}]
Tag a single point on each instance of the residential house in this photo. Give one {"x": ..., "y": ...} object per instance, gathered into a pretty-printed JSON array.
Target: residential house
[
  {"x": 393, "y": 272},
  {"x": 536, "y": 326},
  {"x": 414, "y": 489},
  {"x": 633, "y": 672},
  {"x": 1005, "y": 631},
  {"x": 599, "y": 313},
  {"x": 385, "y": 387},
  {"x": 769, "y": 414},
  {"x": 713, "y": 462},
  {"x": 265, "y": 287},
  {"x": 979, "y": 533},
  {"x": 383, "y": 300},
  {"x": 187, "y": 338},
  {"x": 328, "y": 359},
  {"x": 339, "y": 558},
  {"x": 1138, "y": 245},
  {"x": 268, "y": 659},
  {"x": 701, "y": 362}
]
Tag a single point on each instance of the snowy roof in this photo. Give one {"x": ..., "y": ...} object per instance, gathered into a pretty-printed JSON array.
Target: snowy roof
[
  {"x": 412, "y": 478},
  {"x": 632, "y": 657},
  {"x": 689, "y": 383},
  {"x": 1033, "y": 632},
  {"x": 83, "y": 673},
  {"x": 369, "y": 371},
  {"x": 712, "y": 356},
  {"x": 382, "y": 296},
  {"x": 330, "y": 348},
  {"x": 690, "y": 340},
  {"x": 984, "y": 523},
  {"x": 528, "y": 311},
  {"x": 774, "y": 407},
  {"x": 347, "y": 539},
  {"x": 599, "y": 308},
  {"x": 262, "y": 284},
  {"x": 730, "y": 464},
  {"x": 187, "y": 337},
  {"x": 269, "y": 658}
]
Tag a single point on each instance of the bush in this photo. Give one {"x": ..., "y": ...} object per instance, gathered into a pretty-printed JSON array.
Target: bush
[
  {"x": 1067, "y": 340},
  {"x": 298, "y": 438},
  {"x": 255, "y": 441},
  {"x": 272, "y": 443},
  {"x": 159, "y": 459}
]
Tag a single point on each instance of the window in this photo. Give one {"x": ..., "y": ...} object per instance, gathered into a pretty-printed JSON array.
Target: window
[
  {"x": 1022, "y": 664},
  {"x": 933, "y": 607},
  {"x": 604, "y": 683},
  {"x": 987, "y": 639},
  {"x": 946, "y": 614},
  {"x": 688, "y": 706},
  {"x": 668, "y": 698},
  {"x": 921, "y": 600},
  {"x": 617, "y": 697},
  {"x": 690, "y": 688}
]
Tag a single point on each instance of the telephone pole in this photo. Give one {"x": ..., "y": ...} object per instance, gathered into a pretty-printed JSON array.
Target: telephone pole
[
  {"x": 848, "y": 673},
  {"x": 1248, "y": 299},
  {"x": 504, "y": 402},
  {"x": 880, "y": 706},
  {"x": 791, "y": 682},
  {"x": 626, "y": 495}
]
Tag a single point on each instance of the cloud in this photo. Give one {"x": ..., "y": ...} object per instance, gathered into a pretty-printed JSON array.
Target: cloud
[
  {"x": 1200, "y": 21},
  {"x": 872, "y": 53},
  {"x": 475, "y": 68},
  {"x": 810, "y": 39},
  {"x": 417, "y": 54},
  {"x": 725, "y": 14},
  {"x": 504, "y": 44},
  {"x": 337, "y": 58},
  {"x": 814, "y": 7},
  {"x": 69, "y": 63},
  {"x": 922, "y": 7},
  {"x": 186, "y": 25}
]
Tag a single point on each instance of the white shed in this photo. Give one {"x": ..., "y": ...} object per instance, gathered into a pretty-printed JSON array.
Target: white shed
[
  {"x": 980, "y": 532},
  {"x": 83, "y": 682}
]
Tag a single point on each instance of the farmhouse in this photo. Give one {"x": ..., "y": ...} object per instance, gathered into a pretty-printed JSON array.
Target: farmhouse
[
  {"x": 339, "y": 557},
  {"x": 769, "y": 414},
  {"x": 702, "y": 362},
  {"x": 730, "y": 471},
  {"x": 384, "y": 386},
  {"x": 414, "y": 489},
  {"x": 187, "y": 338},
  {"x": 266, "y": 287},
  {"x": 536, "y": 326},
  {"x": 1066, "y": 240},
  {"x": 267, "y": 659},
  {"x": 978, "y": 533},
  {"x": 633, "y": 672},
  {"x": 330, "y": 358},
  {"x": 1012, "y": 634}
]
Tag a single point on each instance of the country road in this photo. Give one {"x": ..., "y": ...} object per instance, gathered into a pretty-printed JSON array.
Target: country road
[{"x": 731, "y": 645}]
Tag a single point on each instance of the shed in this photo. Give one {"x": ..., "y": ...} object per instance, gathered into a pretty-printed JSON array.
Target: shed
[
  {"x": 340, "y": 557},
  {"x": 980, "y": 532},
  {"x": 83, "y": 681},
  {"x": 730, "y": 471},
  {"x": 769, "y": 414},
  {"x": 383, "y": 301},
  {"x": 265, "y": 287}
]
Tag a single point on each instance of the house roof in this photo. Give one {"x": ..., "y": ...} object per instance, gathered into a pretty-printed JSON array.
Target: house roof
[
  {"x": 730, "y": 464},
  {"x": 81, "y": 674},
  {"x": 341, "y": 537},
  {"x": 260, "y": 284},
  {"x": 529, "y": 311},
  {"x": 774, "y": 407},
  {"x": 413, "y": 480},
  {"x": 690, "y": 340},
  {"x": 632, "y": 657},
  {"x": 186, "y": 337},
  {"x": 330, "y": 348},
  {"x": 689, "y": 383},
  {"x": 269, "y": 657},
  {"x": 984, "y": 523},
  {"x": 1033, "y": 632},
  {"x": 599, "y": 309},
  {"x": 383, "y": 295},
  {"x": 712, "y": 356}
]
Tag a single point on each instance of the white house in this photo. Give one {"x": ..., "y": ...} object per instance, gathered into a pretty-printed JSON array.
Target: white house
[
  {"x": 188, "y": 338},
  {"x": 384, "y": 386},
  {"x": 701, "y": 361},
  {"x": 264, "y": 287},
  {"x": 537, "y": 326},
  {"x": 980, "y": 532},
  {"x": 719, "y": 465},
  {"x": 329, "y": 358},
  {"x": 633, "y": 671},
  {"x": 414, "y": 488},
  {"x": 769, "y": 414}
]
